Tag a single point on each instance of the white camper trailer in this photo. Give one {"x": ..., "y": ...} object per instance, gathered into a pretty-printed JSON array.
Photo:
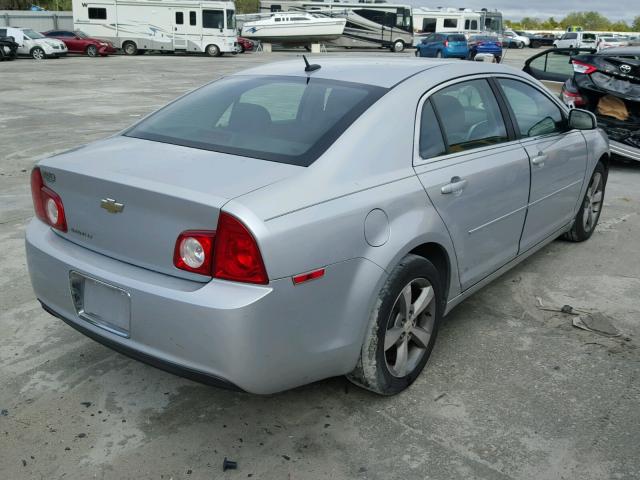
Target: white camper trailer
[{"x": 165, "y": 25}]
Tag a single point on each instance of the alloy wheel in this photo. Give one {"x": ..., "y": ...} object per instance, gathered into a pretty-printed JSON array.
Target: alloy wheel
[
  {"x": 409, "y": 327},
  {"x": 592, "y": 202},
  {"x": 38, "y": 54}
]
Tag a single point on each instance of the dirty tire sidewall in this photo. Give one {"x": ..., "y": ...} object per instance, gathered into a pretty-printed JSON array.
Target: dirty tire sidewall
[
  {"x": 371, "y": 371},
  {"x": 577, "y": 232}
]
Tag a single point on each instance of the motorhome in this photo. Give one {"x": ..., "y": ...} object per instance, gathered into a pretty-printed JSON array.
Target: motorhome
[
  {"x": 429, "y": 20},
  {"x": 166, "y": 25},
  {"x": 369, "y": 24}
]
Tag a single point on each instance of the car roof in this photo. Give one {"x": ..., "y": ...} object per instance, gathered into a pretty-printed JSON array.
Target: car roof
[
  {"x": 620, "y": 51},
  {"x": 377, "y": 71}
]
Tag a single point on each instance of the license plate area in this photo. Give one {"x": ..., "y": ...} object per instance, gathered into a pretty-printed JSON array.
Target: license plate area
[{"x": 103, "y": 305}]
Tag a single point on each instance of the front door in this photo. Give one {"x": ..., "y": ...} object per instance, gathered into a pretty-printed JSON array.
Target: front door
[
  {"x": 558, "y": 160},
  {"x": 179, "y": 30},
  {"x": 476, "y": 174}
]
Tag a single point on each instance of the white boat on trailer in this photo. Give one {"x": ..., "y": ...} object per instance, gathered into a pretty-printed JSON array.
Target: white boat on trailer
[{"x": 294, "y": 28}]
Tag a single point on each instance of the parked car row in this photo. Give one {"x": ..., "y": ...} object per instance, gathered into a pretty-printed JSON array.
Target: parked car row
[
  {"x": 16, "y": 42},
  {"x": 456, "y": 45}
]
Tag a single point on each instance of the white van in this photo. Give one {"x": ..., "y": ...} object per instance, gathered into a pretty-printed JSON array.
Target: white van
[
  {"x": 576, "y": 40},
  {"x": 167, "y": 25},
  {"x": 34, "y": 44}
]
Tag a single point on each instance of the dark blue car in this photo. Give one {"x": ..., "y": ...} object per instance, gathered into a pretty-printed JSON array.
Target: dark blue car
[
  {"x": 485, "y": 44},
  {"x": 443, "y": 45}
]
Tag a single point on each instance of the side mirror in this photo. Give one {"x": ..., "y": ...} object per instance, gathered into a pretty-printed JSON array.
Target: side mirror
[{"x": 582, "y": 119}]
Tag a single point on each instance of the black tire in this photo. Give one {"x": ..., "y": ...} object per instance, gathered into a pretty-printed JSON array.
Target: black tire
[
  {"x": 417, "y": 53},
  {"x": 583, "y": 228},
  {"x": 373, "y": 371},
  {"x": 398, "y": 46},
  {"x": 213, "y": 50},
  {"x": 92, "y": 51},
  {"x": 438, "y": 54},
  {"x": 242, "y": 49},
  {"x": 141, "y": 52},
  {"x": 129, "y": 48},
  {"x": 37, "y": 53},
  {"x": 535, "y": 44}
]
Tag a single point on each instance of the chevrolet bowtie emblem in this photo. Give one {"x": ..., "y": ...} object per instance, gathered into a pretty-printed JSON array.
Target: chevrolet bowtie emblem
[{"x": 111, "y": 206}]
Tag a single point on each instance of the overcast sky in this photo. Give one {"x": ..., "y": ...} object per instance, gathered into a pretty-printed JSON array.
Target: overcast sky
[{"x": 516, "y": 9}]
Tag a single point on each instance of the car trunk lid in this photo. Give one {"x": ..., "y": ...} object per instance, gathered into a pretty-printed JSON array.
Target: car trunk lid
[{"x": 129, "y": 198}]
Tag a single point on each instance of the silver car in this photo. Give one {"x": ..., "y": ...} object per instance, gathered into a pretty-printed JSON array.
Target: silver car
[{"x": 287, "y": 223}]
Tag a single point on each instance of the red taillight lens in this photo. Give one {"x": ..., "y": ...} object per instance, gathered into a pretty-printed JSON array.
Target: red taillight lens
[
  {"x": 194, "y": 251},
  {"x": 582, "y": 67},
  {"x": 573, "y": 99},
  {"x": 47, "y": 203},
  {"x": 446, "y": 43},
  {"x": 236, "y": 254}
]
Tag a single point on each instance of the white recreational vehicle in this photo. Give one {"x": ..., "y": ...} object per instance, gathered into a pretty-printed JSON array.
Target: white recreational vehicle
[
  {"x": 166, "y": 25},
  {"x": 430, "y": 20}
]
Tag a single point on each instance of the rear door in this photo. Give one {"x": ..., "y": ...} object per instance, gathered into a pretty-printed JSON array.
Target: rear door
[
  {"x": 558, "y": 159},
  {"x": 475, "y": 173}
]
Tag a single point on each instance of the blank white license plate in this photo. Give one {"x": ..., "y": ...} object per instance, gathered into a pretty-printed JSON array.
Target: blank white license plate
[{"x": 101, "y": 304}]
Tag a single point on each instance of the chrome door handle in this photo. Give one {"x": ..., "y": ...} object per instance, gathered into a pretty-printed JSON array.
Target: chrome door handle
[
  {"x": 457, "y": 185},
  {"x": 539, "y": 159}
]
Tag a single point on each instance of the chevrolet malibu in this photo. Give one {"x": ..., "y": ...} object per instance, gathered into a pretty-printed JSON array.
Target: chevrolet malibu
[{"x": 291, "y": 223}]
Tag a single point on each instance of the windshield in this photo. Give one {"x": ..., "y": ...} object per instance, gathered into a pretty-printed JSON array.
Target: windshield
[
  {"x": 283, "y": 119},
  {"x": 231, "y": 19},
  {"x": 32, "y": 34}
]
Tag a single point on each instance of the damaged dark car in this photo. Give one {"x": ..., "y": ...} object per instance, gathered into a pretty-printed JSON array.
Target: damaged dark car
[{"x": 606, "y": 83}]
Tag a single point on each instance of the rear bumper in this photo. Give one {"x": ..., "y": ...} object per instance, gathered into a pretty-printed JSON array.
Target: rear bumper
[
  {"x": 261, "y": 339},
  {"x": 623, "y": 150}
]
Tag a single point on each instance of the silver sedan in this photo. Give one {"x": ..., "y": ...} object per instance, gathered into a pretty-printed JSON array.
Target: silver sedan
[{"x": 291, "y": 222}]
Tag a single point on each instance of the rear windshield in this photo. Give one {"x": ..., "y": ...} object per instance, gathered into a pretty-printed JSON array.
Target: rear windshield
[
  {"x": 588, "y": 36},
  {"x": 283, "y": 119},
  {"x": 457, "y": 38}
]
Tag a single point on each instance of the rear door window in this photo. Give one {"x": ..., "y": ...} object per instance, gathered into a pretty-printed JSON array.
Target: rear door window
[
  {"x": 283, "y": 119},
  {"x": 431, "y": 141},
  {"x": 470, "y": 115},
  {"x": 535, "y": 113}
]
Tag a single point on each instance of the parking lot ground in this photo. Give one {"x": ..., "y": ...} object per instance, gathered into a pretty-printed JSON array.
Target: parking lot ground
[{"x": 512, "y": 391}]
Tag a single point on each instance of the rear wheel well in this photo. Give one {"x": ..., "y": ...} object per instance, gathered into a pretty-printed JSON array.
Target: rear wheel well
[
  {"x": 437, "y": 255},
  {"x": 605, "y": 159}
]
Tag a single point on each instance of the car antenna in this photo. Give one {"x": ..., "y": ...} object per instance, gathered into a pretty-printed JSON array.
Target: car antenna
[{"x": 310, "y": 67}]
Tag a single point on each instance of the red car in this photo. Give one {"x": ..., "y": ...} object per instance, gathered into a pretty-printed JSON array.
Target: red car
[
  {"x": 79, "y": 42},
  {"x": 244, "y": 44}
]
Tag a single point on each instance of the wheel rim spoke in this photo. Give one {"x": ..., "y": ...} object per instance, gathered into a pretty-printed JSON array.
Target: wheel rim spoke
[
  {"x": 597, "y": 198},
  {"x": 402, "y": 358},
  {"x": 391, "y": 337},
  {"x": 422, "y": 302},
  {"x": 421, "y": 336},
  {"x": 406, "y": 301}
]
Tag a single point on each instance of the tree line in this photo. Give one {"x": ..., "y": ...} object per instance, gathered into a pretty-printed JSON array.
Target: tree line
[{"x": 586, "y": 20}]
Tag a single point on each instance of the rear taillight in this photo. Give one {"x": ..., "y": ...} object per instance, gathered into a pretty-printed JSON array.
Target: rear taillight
[
  {"x": 194, "y": 251},
  {"x": 47, "y": 203},
  {"x": 573, "y": 99},
  {"x": 230, "y": 253},
  {"x": 446, "y": 43},
  {"x": 582, "y": 67},
  {"x": 236, "y": 253}
]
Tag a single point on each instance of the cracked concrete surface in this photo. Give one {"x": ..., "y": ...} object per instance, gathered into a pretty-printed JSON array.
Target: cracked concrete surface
[{"x": 511, "y": 391}]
